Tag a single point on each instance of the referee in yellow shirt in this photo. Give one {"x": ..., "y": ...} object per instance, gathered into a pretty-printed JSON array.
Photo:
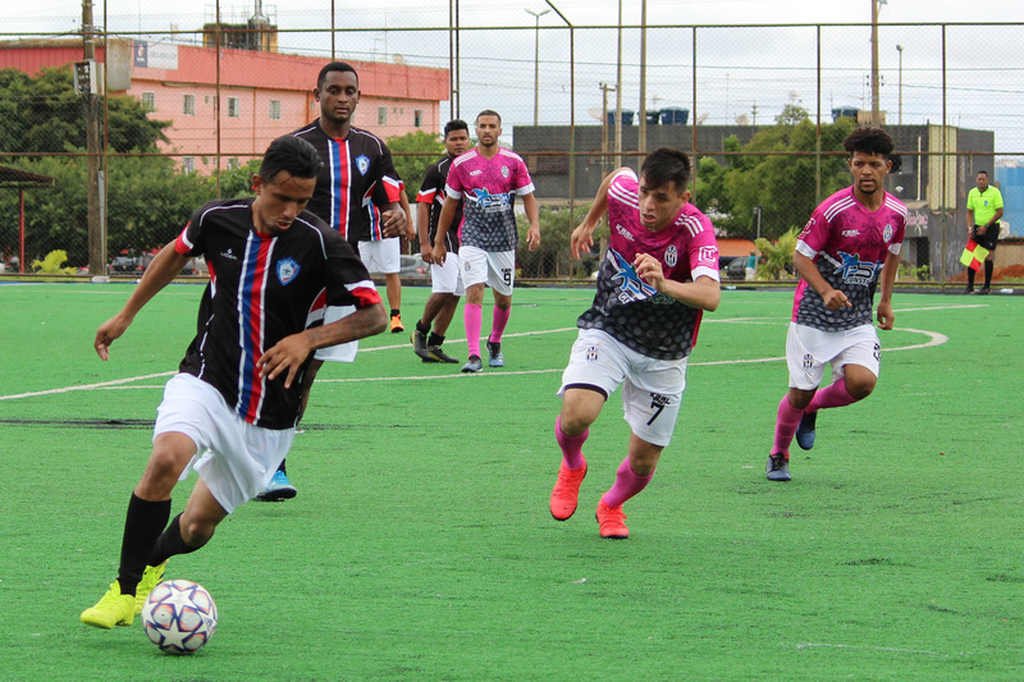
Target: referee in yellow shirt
[{"x": 984, "y": 209}]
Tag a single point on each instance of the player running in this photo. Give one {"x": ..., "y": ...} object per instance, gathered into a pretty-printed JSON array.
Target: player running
[
  {"x": 660, "y": 273},
  {"x": 852, "y": 240}
]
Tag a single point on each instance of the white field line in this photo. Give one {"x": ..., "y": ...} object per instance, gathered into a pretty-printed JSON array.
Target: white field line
[
  {"x": 868, "y": 647},
  {"x": 934, "y": 339}
]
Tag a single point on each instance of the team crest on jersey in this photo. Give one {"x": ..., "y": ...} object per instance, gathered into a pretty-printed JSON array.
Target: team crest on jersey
[
  {"x": 671, "y": 256},
  {"x": 504, "y": 171},
  {"x": 630, "y": 287},
  {"x": 362, "y": 164},
  {"x": 856, "y": 271},
  {"x": 287, "y": 270},
  {"x": 887, "y": 233}
]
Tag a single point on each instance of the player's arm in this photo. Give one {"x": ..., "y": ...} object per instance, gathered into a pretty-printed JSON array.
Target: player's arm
[
  {"x": 834, "y": 298},
  {"x": 885, "y": 315},
  {"x": 582, "y": 238},
  {"x": 704, "y": 292},
  {"x": 164, "y": 268},
  {"x": 444, "y": 223},
  {"x": 422, "y": 228},
  {"x": 407, "y": 214},
  {"x": 970, "y": 219},
  {"x": 533, "y": 215}
]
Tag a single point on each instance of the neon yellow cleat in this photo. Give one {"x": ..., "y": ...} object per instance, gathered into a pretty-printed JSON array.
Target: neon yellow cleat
[
  {"x": 151, "y": 577},
  {"x": 112, "y": 609}
]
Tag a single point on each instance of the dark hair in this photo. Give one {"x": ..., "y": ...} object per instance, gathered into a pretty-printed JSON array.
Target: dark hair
[
  {"x": 489, "y": 112},
  {"x": 665, "y": 165},
  {"x": 869, "y": 141},
  {"x": 335, "y": 66},
  {"x": 291, "y": 154},
  {"x": 455, "y": 124},
  {"x": 985, "y": 172}
]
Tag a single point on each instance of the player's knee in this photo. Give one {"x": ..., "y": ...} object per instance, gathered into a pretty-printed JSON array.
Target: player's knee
[
  {"x": 860, "y": 387},
  {"x": 196, "y": 533}
]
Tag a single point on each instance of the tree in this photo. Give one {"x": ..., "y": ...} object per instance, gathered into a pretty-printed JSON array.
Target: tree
[
  {"x": 776, "y": 172},
  {"x": 45, "y": 114},
  {"x": 413, "y": 153}
]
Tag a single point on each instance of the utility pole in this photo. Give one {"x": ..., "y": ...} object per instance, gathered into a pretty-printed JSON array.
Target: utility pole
[
  {"x": 536, "y": 61},
  {"x": 604, "y": 124},
  {"x": 642, "y": 132},
  {"x": 618, "y": 95},
  {"x": 899, "y": 108},
  {"x": 876, "y": 116},
  {"x": 94, "y": 191}
]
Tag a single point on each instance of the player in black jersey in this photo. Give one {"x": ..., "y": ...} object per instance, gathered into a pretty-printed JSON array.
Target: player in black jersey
[
  {"x": 445, "y": 278},
  {"x": 231, "y": 411},
  {"x": 358, "y": 193}
]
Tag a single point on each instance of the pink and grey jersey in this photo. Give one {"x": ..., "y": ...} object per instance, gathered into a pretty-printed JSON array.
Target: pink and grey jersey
[
  {"x": 262, "y": 289},
  {"x": 357, "y": 179},
  {"x": 488, "y": 188},
  {"x": 848, "y": 244},
  {"x": 628, "y": 308}
]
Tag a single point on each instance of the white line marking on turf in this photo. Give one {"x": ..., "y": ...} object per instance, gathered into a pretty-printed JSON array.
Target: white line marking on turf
[
  {"x": 868, "y": 647},
  {"x": 935, "y": 339}
]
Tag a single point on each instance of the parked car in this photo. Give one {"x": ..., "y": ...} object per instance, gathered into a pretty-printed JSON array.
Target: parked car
[{"x": 413, "y": 267}]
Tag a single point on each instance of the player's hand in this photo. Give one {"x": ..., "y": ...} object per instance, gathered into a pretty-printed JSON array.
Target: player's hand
[
  {"x": 886, "y": 317},
  {"x": 109, "y": 331},
  {"x": 649, "y": 269},
  {"x": 582, "y": 239},
  {"x": 982, "y": 229},
  {"x": 427, "y": 253},
  {"x": 285, "y": 357},
  {"x": 439, "y": 252},
  {"x": 836, "y": 300},
  {"x": 393, "y": 223},
  {"x": 533, "y": 238}
]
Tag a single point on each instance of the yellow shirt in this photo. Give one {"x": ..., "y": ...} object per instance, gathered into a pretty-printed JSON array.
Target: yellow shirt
[{"x": 984, "y": 205}]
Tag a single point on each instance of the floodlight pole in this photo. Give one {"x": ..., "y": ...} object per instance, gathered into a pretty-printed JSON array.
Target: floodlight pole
[{"x": 536, "y": 61}]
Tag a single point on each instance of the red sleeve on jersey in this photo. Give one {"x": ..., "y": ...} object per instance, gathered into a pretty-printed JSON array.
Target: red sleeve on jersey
[{"x": 365, "y": 297}]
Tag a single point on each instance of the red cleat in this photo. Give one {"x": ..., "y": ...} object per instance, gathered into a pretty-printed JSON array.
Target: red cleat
[
  {"x": 566, "y": 492},
  {"x": 611, "y": 522}
]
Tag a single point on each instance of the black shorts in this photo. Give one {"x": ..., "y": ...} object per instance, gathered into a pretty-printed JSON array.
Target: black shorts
[{"x": 989, "y": 239}]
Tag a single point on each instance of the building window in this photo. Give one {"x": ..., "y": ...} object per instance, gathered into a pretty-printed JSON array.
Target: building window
[
  {"x": 188, "y": 164},
  {"x": 417, "y": 118},
  {"x": 149, "y": 101},
  {"x": 189, "y": 105},
  {"x": 382, "y": 116},
  {"x": 233, "y": 107},
  {"x": 275, "y": 109}
]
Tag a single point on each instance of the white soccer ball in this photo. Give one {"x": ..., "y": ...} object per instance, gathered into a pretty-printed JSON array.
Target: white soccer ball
[{"x": 179, "y": 616}]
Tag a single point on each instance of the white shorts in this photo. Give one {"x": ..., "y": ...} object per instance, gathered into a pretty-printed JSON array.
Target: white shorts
[
  {"x": 495, "y": 268},
  {"x": 381, "y": 257},
  {"x": 809, "y": 349},
  {"x": 234, "y": 458},
  {"x": 447, "y": 278},
  {"x": 652, "y": 390}
]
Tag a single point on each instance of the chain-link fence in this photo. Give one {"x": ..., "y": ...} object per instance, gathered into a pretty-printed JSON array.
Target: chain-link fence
[{"x": 107, "y": 162}]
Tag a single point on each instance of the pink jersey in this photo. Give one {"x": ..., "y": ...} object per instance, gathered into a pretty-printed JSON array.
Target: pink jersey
[
  {"x": 849, "y": 245},
  {"x": 628, "y": 308},
  {"x": 487, "y": 188}
]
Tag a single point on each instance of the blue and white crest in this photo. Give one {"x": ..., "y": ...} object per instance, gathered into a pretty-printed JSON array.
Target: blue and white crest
[
  {"x": 504, "y": 171},
  {"x": 887, "y": 233},
  {"x": 287, "y": 270},
  {"x": 362, "y": 164},
  {"x": 671, "y": 256}
]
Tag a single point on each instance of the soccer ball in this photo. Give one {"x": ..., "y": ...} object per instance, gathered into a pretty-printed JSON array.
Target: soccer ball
[{"x": 179, "y": 616}]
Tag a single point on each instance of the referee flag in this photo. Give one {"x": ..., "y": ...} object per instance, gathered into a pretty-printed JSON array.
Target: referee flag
[{"x": 973, "y": 255}]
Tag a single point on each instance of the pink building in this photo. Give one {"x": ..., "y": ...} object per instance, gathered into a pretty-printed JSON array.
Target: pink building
[{"x": 262, "y": 94}]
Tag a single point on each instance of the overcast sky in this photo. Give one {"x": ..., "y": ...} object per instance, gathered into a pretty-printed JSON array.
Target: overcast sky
[{"x": 751, "y": 72}]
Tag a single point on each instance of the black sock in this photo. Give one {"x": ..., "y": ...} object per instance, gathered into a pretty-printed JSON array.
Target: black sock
[
  {"x": 395, "y": 311},
  {"x": 988, "y": 272},
  {"x": 169, "y": 543},
  {"x": 283, "y": 467},
  {"x": 422, "y": 328},
  {"x": 435, "y": 339},
  {"x": 142, "y": 526},
  {"x": 970, "y": 278}
]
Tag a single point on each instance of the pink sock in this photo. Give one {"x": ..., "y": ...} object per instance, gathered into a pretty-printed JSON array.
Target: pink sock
[
  {"x": 572, "y": 446},
  {"x": 498, "y": 321},
  {"x": 835, "y": 395},
  {"x": 472, "y": 313},
  {"x": 786, "y": 421},
  {"x": 627, "y": 484}
]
